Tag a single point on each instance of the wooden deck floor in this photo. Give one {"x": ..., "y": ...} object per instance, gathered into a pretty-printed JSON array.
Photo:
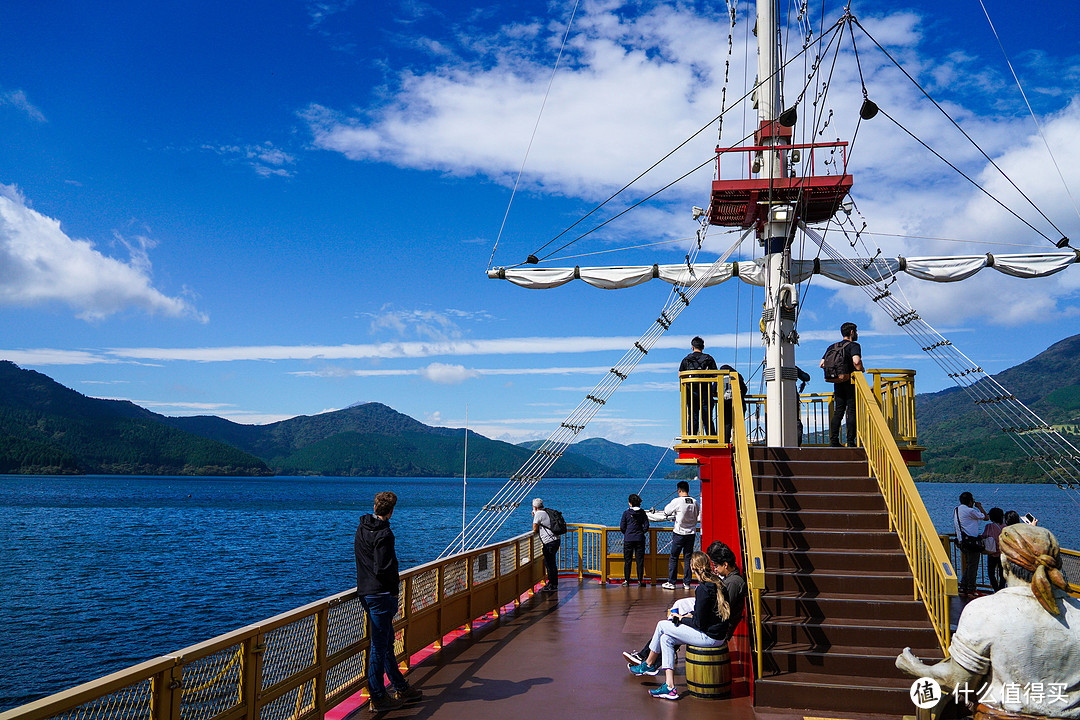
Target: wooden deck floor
[{"x": 561, "y": 656}]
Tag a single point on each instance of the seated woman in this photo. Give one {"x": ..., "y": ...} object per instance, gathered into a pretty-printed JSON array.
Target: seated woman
[{"x": 706, "y": 626}]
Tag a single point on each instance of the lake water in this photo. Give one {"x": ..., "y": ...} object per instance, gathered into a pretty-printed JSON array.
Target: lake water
[{"x": 115, "y": 570}]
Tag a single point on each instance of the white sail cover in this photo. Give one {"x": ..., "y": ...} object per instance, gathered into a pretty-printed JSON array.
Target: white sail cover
[{"x": 936, "y": 269}]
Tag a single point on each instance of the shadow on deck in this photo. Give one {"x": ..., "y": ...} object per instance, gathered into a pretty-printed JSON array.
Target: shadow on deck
[{"x": 561, "y": 656}]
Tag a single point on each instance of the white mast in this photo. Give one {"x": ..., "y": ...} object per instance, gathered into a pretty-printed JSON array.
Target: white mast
[{"x": 780, "y": 295}]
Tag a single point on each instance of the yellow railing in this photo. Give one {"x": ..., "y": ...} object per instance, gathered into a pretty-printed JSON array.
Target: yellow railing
[
  {"x": 750, "y": 532},
  {"x": 893, "y": 389},
  {"x": 935, "y": 579},
  {"x": 297, "y": 665}
]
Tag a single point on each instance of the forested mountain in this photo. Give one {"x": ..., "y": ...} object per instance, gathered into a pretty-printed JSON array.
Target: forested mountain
[
  {"x": 48, "y": 428},
  {"x": 964, "y": 444},
  {"x": 636, "y": 460}
]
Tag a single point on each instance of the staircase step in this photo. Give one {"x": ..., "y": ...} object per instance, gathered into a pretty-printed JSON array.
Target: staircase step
[
  {"x": 837, "y": 581},
  {"x": 822, "y": 480},
  {"x": 838, "y": 659},
  {"x": 811, "y": 560},
  {"x": 853, "y": 606},
  {"x": 817, "y": 539},
  {"x": 824, "y": 519},
  {"x": 893, "y": 636},
  {"x": 871, "y": 500},
  {"x": 810, "y": 468},
  {"x": 843, "y": 693}
]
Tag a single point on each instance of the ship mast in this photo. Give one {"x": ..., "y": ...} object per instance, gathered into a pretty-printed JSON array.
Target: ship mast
[{"x": 774, "y": 236}]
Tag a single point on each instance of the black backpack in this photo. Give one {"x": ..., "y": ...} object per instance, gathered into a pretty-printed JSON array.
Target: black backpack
[
  {"x": 836, "y": 363},
  {"x": 558, "y": 523}
]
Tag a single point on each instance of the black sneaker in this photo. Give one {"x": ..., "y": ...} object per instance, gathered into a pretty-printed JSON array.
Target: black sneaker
[
  {"x": 633, "y": 657},
  {"x": 409, "y": 694},
  {"x": 384, "y": 702}
]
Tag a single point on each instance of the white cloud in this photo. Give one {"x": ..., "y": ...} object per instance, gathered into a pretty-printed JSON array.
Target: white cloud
[
  {"x": 40, "y": 264},
  {"x": 447, "y": 374},
  {"x": 18, "y": 100},
  {"x": 265, "y": 159}
]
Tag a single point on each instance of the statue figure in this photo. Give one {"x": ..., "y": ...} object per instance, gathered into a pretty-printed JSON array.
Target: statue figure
[{"x": 1016, "y": 654}]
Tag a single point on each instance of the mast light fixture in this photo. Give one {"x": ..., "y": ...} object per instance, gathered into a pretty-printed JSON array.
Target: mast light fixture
[{"x": 781, "y": 213}]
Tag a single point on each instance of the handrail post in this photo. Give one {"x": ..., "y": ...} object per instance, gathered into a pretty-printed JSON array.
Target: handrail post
[
  {"x": 252, "y": 672},
  {"x": 167, "y": 690},
  {"x": 322, "y": 631}
]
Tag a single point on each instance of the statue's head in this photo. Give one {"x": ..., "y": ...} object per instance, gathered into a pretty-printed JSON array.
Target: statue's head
[{"x": 1030, "y": 554}]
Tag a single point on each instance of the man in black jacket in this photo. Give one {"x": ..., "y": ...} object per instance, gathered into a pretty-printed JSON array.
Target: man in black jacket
[{"x": 377, "y": 583}]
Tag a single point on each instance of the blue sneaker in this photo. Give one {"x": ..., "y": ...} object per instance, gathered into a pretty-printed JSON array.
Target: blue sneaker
[
  {"x": 644, "y": 669},
  {"x": 665, "y": 693}
]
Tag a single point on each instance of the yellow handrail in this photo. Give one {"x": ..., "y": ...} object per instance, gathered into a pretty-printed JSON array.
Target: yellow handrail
[
  {"x": 935, "y": 579},
  {"x": 753, "y": 557}
]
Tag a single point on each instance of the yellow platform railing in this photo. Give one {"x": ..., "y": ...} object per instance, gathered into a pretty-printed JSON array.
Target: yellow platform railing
[
  {"x": 935, "y": 578},
  {"x": 749, "y": 530}
]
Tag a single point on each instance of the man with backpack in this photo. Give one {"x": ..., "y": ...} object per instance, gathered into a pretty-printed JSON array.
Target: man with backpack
[
  {"x": 702, "y": 396},
  {"x": 547, "y": 524},
  {"x": 841, "y": 359}
]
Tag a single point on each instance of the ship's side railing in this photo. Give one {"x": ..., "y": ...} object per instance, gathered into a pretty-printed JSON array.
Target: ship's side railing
[
  {"x": 749, "y": 530},
  {"x": 702, "y": 398},
  {"x": 1070, "y": 566},
  {"x": 299, "y": 664},
  {"x": 935, "y": 579}
]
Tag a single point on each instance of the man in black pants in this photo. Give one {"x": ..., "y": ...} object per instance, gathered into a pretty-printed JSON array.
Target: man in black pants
[
  {"x": 843, "y": 389},
  {"x": 550, "y": 542}
]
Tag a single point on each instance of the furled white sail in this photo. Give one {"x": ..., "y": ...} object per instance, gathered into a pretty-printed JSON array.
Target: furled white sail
[{"x": 936, "y": 269}]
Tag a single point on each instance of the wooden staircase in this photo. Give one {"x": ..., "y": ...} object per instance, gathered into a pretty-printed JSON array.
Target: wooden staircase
[{"x": 839, "y": 602}]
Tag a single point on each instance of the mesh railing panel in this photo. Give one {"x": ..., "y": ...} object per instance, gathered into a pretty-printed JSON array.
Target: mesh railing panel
[
  {"x": 425, "y": 589},
  {"x": 346, "y": 624},
  {"x": 538, "y": 547},
  {"x": 663, "y": 541},
  {"x": 399, "y": 642},
  {"x": 291, "y": 705},
  {"x": 400, "y": 614},
  {"x": 289, "y": 649},
  {"x": 524, "y": 551},
  {"x": 455, "y": 577},
  {"x": 212, "y": 684},
  {"x": 483, "y": 568},
  {"x": 129, "y": 703},
  {"x": 507, "y": 559},
  {"x": 350, "y": 670},
  {"x": 614, "y": 542},
  {"x": 1070, "y": 566}
]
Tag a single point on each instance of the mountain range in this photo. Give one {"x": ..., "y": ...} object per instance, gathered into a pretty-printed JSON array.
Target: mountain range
[{"x": 46, "y": 428}]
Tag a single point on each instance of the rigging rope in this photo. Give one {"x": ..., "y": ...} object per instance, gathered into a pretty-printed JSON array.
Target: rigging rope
[
  {"x": 1055, "y": 456},
  {"x": 1032, "y": 112},
  {"x": 532, "y": 137},
  {"x": 488, "y": 521}
]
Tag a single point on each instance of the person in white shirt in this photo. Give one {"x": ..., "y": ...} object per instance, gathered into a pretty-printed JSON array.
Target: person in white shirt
[
  {"x": 966, "y": 519},
  {"x": 684, "y": 510}
]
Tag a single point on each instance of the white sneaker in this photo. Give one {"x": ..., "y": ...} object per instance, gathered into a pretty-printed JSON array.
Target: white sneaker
[
  {"x": 668, "y": 586},
  {"x": 685, "y": 586}
]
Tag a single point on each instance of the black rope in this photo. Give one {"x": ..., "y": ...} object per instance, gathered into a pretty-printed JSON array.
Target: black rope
[{"x": 969, "y": 138}]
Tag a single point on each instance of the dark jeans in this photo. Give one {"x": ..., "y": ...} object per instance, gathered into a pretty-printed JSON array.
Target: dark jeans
[
  {"x": 551, "y": 562},
  {"x": 685, "y": 545},
  {"x": 843, "y": 404},
  {"x": 634, "y": 550},
  {"x": 994, "y": 573},
  {"x": 699, "y": 409},
  {"x": 380, "y": 626},
  {"x": 970, "y": 563}
]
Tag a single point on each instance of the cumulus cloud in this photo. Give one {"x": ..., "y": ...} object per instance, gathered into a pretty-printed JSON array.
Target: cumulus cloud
[
  {"x": 40, "y": 264},
  {"x": 445, "y": 374},
  {"x": 18, "y": 100}
]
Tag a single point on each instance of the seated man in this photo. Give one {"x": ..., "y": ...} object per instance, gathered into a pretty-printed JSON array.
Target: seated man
[{"x": 1024, "y": 636}]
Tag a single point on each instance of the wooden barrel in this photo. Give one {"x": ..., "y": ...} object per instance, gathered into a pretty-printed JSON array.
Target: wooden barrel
[{"x": 708, "y": 672}]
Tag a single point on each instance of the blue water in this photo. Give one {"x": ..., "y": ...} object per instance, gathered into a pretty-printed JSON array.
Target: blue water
[{"x": 102, "y": 572}]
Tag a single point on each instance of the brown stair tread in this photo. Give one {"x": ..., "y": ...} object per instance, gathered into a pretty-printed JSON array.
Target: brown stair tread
[
  {"x": 857, "y": 650},
  {"x": 823, "y": 681},
  {"x": 852, "y": 597},
  {"x": 855, "y": 572},
  {"x": 849, "y": 622}
]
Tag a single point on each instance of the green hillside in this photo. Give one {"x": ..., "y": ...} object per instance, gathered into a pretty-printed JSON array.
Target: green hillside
[
  {"x": 636, "y": 460},
  {"x": 964, "y": 444},
  {"x": 46, "y": 428}
]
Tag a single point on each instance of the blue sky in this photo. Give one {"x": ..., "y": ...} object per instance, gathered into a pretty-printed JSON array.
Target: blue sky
[{"x": 262, "y": 210}]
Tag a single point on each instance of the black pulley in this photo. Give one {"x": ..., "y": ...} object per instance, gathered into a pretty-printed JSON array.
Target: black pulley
[
  {"x": 1063, "y": 242},
  {"x": 868, "y": 110},
  {"x": 532, "y": 260},
  {"x": 789, "y": 116}
]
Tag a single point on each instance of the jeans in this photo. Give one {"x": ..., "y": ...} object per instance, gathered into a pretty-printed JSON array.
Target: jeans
[
  {"x": 380, "y": 612},
  {"x": 634, "y": 550},
  {"x": 685, "y": 545},
  {"x": 551, "y": 562},
  {"x": 668, "y": 637},
  {"x": 994, "y": 573},
  {"x": 843, "y": 404}
]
